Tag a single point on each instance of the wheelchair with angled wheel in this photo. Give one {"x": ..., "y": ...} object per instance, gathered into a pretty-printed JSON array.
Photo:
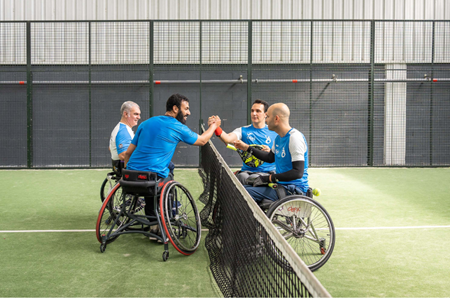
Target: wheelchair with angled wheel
[
  {"x": 111, "y": 178},
  {"x": 142, "y": 200},
  {"x": 305, "y": 224}
]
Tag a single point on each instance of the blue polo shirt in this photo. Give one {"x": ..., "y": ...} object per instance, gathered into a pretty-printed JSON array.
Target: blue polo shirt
[
  {"x": 260, "y": 136},
  {"x": 156, "y": 140},
  {"x": 292, "y": 147}
]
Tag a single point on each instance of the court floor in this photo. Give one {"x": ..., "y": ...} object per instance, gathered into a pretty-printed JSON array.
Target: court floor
[{"x": 392, "y": 228}]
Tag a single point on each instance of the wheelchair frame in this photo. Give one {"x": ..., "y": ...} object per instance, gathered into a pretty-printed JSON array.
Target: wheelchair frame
[
  {"x": 306, "y": 226},
  {"x": 176, "y": 222}
]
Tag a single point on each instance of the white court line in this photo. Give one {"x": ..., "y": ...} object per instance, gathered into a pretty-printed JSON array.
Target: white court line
[
  {"x": 395, "y": 228},
  {"x": 55, "y": 231},
  {"x": 205, "y": 230}
]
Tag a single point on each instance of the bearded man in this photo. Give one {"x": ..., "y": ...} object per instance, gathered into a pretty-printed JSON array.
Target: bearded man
[{"x": 156, "y": 139}]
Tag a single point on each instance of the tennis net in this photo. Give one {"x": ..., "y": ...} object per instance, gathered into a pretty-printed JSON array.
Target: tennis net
[{"x": 248, "y": 257}]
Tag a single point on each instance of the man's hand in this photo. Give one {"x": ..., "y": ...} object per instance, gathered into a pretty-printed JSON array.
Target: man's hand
[
  {"x": 214, "y": 120},
  {"x": 266, "y": 148},
  {"x": 240, "y": 145}
]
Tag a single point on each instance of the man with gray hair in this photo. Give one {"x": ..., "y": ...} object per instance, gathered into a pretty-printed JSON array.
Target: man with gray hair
[{"x": 122, "y": 134}]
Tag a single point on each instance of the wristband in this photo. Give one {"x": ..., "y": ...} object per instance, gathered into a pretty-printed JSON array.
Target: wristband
[{"x": 218, "y": 131}]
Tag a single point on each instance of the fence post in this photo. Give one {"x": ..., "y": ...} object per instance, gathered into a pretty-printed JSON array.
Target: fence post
[
  {"x": 29, "y": 100},
  {"x": 151, "y": 68},
  {"x": 200, "y": 131},
  {"x": 371, "y": 94},
  {"x": 310, "y": 156},
  {"x": 249, "y": 71},
  {"x": 432, "y": 91},
  {"x": 90, "y": 91}
]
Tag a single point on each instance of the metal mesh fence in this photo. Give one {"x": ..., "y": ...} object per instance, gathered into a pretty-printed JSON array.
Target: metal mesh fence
[{"x": 364, "y": 93}]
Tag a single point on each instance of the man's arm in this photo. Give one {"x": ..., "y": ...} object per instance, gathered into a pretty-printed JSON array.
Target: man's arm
[
  {"x": 228, "y": 138},
  {"x": 122, "y": 155},
  {"x": 296, "y": 173},
  {"x": 264, "y": 155},
  {"x": 128, "y": 153},
  {"x": 204, "y": 137}
]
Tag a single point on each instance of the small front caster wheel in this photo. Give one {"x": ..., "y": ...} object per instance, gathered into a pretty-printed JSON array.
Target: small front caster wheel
[
  {"x": 165, "y": 255},
  {"x": 102, "y": 247}
]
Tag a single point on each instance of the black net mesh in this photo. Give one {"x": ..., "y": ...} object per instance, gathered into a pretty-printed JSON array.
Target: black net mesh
[{"x": 244, "y": 257}]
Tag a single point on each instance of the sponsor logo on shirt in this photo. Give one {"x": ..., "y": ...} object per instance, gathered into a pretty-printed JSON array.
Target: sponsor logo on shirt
[
  {"x": 120, "y": 146},
  {"x": 251, "y": 137},
  {"x": 268, "y": 140}
]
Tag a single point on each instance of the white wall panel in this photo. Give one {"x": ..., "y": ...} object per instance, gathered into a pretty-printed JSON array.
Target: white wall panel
[
  {"x": 223, "y": 9},
  {"x": 274, "y": 42}
]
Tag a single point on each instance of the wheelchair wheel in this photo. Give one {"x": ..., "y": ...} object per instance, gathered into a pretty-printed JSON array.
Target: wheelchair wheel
[
  {"x": 107, "y": 185},
  {"x": 110, "y": 216},
  {"x": 306, "y": 226},
  {"x": 104, "y": 189},
  {"x": 180, "y": 218}
]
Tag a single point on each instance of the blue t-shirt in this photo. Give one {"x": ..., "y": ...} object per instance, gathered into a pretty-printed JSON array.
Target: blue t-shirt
[
  {"x": 120, "y": 139},
  {"x": 156, "y": 140},
  {"x": 260, "y": 136},
  {"x": 292, "y": 147}
]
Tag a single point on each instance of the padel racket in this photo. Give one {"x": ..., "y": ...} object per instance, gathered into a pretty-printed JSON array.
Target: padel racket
[{"x": 247, "y": 157}]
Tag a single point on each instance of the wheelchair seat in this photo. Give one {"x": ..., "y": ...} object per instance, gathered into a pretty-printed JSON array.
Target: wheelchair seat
[{"x": 140, "y": 183}]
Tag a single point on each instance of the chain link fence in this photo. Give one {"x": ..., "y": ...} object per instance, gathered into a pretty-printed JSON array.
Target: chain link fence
[{"x": 364, "y": 93}]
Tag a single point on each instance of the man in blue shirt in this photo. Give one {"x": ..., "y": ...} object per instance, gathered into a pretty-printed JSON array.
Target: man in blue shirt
[
  {"x": 156, "y": 139},
  {"x": 289, "y": 152},
  {"x": 122, "y": 133},
  {"x": 255, "y": 133}
]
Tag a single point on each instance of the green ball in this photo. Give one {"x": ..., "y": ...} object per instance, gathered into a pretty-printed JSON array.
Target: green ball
[{"x": 316, "y": 192}]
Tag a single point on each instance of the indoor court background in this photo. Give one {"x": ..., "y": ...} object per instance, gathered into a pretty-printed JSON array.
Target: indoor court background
[
  {"x": 367, "y": 83},
  {"x": 391, "y": 237}
]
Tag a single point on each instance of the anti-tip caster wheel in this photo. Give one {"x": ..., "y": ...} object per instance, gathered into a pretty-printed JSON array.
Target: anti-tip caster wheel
[
  {"x": 165, "y": 255},
  {"x": 102, "y": 248}
]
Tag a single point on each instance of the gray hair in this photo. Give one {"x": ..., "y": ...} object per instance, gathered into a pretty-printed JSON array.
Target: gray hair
[{"x": 126, "y": 106}]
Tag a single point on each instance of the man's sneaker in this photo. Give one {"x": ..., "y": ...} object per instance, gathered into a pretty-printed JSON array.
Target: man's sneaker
[
  {"x": 118, "y": 208},
  {"x": 157, "y": 232},
  {"x": 140, "y": 204}
]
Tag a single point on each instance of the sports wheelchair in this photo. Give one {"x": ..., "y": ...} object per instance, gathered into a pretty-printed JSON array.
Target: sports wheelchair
[
  {"x": 305, "y": 225},
  {"x": 174, "y": 212},
  {"x": 111, "y": 178}
]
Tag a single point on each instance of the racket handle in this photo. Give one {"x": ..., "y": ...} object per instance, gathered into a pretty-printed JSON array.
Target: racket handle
[{"x": 229, "y": 146}]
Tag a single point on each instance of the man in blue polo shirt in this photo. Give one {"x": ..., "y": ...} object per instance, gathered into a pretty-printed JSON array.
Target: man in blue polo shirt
[
  {"x": 289, "y": 152},
  {"x": 255, "y": 133},
  {"x": 122, "y": 133},
  {"x": 156, "y": 139}
]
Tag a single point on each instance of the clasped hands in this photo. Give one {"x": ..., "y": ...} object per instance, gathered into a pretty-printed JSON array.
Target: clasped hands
[{"x": 214, "y": 120}]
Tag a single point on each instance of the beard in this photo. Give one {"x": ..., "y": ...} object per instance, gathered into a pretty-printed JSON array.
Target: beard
[{"x": 180, "y": 117}]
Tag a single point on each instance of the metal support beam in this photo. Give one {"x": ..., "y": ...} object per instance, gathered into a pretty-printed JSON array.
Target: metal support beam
[{"x": 237, "y": 81}]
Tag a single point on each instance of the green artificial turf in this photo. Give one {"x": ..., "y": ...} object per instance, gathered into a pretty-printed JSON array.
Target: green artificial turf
[
  {"x": 386, "y": 242},
  {"x": 399, "y": 260}
]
